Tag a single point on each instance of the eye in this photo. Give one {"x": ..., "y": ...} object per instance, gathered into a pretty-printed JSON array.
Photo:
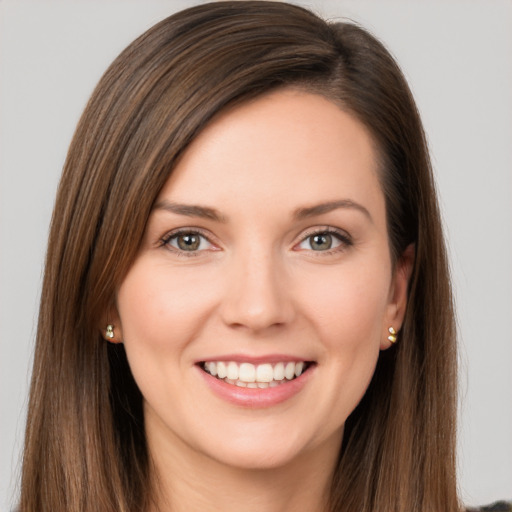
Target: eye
[
  {"x": 323, "y": 241},
  {"x": 187, "y": 241}
]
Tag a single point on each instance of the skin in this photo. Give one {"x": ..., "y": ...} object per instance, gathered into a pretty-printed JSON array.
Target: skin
[{"x": 255, "y": 286}]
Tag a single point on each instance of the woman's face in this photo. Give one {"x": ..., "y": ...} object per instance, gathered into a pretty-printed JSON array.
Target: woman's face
[{"x": 266, "y": 255}]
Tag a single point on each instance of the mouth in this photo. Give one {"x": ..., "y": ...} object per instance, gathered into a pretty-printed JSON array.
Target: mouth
[{"x": 248, "y": 375}]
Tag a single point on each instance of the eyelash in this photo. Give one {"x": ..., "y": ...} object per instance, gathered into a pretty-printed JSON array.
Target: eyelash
[
  {"x": 344, "y": 239},
  {"x": 166, "y": 241}
]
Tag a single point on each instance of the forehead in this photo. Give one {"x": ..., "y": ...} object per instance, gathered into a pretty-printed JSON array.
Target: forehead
[{"x": 283, "y": 150}]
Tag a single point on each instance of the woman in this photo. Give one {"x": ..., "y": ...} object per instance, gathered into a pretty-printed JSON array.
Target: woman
[{"x": 246, "y": 302}]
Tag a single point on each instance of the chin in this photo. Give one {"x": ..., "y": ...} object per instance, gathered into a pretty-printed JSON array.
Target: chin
[
  {"x": 255, "y": 458},
  {"x": 271, "y": 448}
]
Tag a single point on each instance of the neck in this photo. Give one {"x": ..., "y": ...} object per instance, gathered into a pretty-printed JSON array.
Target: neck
[{"x": 185, "y": 480}]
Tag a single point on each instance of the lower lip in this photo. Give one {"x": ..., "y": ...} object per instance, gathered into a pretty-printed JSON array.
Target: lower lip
[{"x": 256, "y": 398}]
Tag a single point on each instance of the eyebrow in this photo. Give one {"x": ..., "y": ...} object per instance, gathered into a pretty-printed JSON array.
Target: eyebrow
[
  {"x": 190, "y": 210},
  {"x": 320, "y": 209},
  {"x": 205, "y": 212}
]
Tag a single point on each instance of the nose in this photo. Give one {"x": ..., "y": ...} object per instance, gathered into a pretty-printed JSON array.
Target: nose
[{"x": 258, "y": 296}]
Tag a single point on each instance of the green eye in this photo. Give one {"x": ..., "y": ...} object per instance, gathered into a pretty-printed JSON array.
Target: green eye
[
  {"x": 188, "y": 241},
  {"x": 324, "y": 241},
  {"x": 321, "y": 242}
]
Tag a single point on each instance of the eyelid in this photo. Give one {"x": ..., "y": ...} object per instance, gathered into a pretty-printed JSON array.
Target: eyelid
[
  {"x": 342, "y": 235},
  {"x": 189, "y": 230}
]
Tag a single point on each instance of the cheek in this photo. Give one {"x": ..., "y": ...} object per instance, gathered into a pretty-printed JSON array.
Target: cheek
[
  {"x": 348, "y": 313},
  {"x": 349, "y": 306},
  {"x": 161, "y": 310}
]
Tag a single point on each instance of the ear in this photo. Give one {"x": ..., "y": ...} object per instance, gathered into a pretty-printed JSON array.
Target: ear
[
  {"x": 110, "y": 326},
  {"x": 397, "y": 303}
]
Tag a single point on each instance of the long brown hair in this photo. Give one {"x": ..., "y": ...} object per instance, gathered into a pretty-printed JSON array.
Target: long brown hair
[{"x": 85, "y": 444}]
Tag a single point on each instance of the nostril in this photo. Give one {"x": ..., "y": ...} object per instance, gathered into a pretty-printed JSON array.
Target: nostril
[{"x": 256, "y": 301}]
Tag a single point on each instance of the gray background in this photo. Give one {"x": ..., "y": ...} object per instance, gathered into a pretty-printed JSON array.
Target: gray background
[{"x": 457, "y": 57}]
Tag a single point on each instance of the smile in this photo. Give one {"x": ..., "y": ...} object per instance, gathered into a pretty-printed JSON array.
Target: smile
[{"x": 266, "y": 375}]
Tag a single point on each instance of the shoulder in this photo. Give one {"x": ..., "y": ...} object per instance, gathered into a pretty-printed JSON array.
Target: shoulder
[{"x": 499, "y": 506}]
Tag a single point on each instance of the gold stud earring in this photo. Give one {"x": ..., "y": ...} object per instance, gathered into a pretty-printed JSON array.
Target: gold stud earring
[
  {"x": 109, "y": 332},
  {"x": 392, "y": 335}
]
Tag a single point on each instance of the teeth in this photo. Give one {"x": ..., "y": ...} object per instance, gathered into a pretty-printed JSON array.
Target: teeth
[
  {"x": 247, "y": 372},
  {"x": 289, "y": 371},
  {"x": 232, "y": 371},
  {"x": 212, "y": 368},
  {"x": 254, "y": 376},
  {"x": 278, "y": 371},
  {"x": 221, "y": 370},
  {"x": 264, "y": 373}
]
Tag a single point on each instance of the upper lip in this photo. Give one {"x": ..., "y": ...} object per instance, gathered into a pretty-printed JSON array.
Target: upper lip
[{"x": 244, "y": 358}]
